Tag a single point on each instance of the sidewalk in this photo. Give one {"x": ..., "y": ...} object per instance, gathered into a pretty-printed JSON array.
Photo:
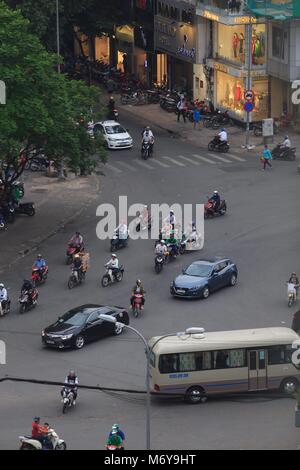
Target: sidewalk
[
  {"x": 57, "y": 203},
  {"x": 152, "y": 114}
]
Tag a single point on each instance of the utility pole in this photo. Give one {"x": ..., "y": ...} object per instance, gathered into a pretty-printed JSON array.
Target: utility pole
[{"x": 57, "y": 37}]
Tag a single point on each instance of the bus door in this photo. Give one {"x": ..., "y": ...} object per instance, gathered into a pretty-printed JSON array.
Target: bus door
[{"x": 257, "y": 369}]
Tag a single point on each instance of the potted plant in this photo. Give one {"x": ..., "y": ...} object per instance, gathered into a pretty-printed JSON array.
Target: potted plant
[{"x": 297, "y": 408}]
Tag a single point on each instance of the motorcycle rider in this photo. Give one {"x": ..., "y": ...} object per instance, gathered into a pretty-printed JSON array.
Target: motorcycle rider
[
  {"x": 222, "y": 136},
  {"x": 174, "y": 244},
  {"x": 71, "y": 383},
  {"x": 40, "y": 264},
  {"x": 122, "y": 231},
  {"x": 114, "y": 439},
  {"x": 3, "y": 298},
  {"x": 138, "y": 289},
  {"x": 285, "y": 146},
  {"x": 216, "y": 200},
  {"x": 77, "y": 266},
  {"x": 77, "y": 241},
  {"x": 39, "y": 432},
  {"x": 171, "y": 219},
  {"x": 113, "y": 266},
  {"x": 144, "y": 216},
  {"x": 28, "y": 288},
  {"x": 120, "y": 433},
  {"x": 148, "y": 138},
  {"x": 295, "y": 281},
  {"x": 161, "y": 248}
]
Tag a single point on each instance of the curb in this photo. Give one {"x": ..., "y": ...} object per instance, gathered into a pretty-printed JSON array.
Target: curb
[{"x": 61, "y": 225}]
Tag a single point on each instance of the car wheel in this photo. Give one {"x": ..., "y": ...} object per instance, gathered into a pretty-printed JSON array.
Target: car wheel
[
  {"x": 289, "y": 385},
  {"x": 233, "y": 280},
  {"x": 206, "y": 292},
  {"x": 118, "y": 330},
  {"x": 79, "y": 342},
  {"x": 195, "y": 395}
]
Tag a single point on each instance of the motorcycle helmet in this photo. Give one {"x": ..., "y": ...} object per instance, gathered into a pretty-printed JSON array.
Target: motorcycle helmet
[
  {"x": 1, "y": 286},
  {"x": 115, "y": 426},
  {"x": 138, "y": 282},
  {"x": 216, "y": 192},
  {"x": 222, "y": 130},
  {"x": 163, "y": 242},
  {"x": 113, "y": 255},
  {"x": 36, "y": 419},
  {"x": 39, "y": 256},
  {"x": 72, "y": 374},
  {"x": 77, "y": 256}
]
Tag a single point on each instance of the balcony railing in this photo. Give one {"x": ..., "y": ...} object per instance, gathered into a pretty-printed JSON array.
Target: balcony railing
[
  {"x": 276, "y": 9},
  {"x": 224, "y": 7}
]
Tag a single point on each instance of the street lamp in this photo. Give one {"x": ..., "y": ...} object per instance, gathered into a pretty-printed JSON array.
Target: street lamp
[{"x": 148, "y": 351}]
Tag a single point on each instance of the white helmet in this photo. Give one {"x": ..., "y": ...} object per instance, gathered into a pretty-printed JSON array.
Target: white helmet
[
  {"x": 216, "y": 192},
  {"x": 1, "y": 286},
  {"x": 113, "y": 255}
]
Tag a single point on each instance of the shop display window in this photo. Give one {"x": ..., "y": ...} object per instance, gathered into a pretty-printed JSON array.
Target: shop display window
[
  {"x": 230, "y": 96},
  {"x": 231, "y": 43}
]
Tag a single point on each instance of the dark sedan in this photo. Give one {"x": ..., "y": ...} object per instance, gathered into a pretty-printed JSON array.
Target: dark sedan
[
  {"x": 82, "y": 325},
  {"x": 203, "y": 277}
]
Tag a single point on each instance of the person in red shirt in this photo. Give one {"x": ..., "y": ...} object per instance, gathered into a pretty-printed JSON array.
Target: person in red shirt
[{"x": 36, "y": 429}]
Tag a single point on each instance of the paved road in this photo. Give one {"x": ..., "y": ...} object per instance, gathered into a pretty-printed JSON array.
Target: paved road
[{"x": 260, "y": 233}]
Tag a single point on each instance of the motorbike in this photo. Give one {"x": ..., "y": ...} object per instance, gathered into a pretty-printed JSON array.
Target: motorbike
[
  {"x": 291, "y": 294},
  {"x": 137, "y": 305},
  {"x": 258, "y": 128},
  {"x": 28, "y": 302},
  {"x": 159, "y": 262},
  {"x": 67, "y": 398},
  {"x": 221, "y": 119},
  {"x": 5, "y": 307},
  {"x": 39, "y": 276},
  {"x": 146, "y": 150},
  {"x": 76, "y": 278},
  {"x": 29, "y": 443},
  {"x": 210, "y": 212},
  {"x": 116, "y": 242},
  {"x": 25, "y": 208},
  {"x": 113, "y": 114},
  {"x": 216, "y": 145},
  {"x": 71, "y": 251},
  {"x": 38, "y": 164},
  {"x": 116, "y": 277},
  {"x": 279, "y": 153}
]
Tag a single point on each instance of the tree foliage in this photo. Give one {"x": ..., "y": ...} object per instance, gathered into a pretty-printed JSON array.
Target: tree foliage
[{"x": 45, "y": 112}]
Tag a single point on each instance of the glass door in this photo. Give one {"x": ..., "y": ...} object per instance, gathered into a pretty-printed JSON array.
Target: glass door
[{"x": 257, "y": 369}]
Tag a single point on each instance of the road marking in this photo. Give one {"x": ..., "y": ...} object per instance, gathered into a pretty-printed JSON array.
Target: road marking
[
  {"x": 174, "y": 161},
  {"x": 239, "y": 159},
  {"x": 204, "y": 159},
  {"x": 113, "y": 168},
  {"x": 164, "y": 165},
  {"x": 144, "y": 165},
  {"x": 129, "y": 167},
  {"x": 222, "y": 159},
  {"x": 189, "y": 160}
]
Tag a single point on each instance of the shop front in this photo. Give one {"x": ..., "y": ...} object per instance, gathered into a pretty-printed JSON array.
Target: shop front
[
  {"x": 230, "y": 85},
  {"x": 175, "y": 45}
]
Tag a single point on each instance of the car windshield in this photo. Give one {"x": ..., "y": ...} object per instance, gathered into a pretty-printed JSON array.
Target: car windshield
[
  {"x": 199, "y": 270},
  {"x": 75, "y": 318},
  {"x": 115, "y": 129}
]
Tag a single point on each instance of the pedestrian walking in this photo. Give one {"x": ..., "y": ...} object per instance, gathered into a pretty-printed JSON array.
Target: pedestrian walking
[
  {"x": 181, "y": 109},
  {"x": 266, "y": 157},
  {"x": 196, "y": 118}
]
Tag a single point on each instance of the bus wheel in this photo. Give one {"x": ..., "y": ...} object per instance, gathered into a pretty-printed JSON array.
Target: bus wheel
[
  {"x": 289, "y": 385},
  {"x": 195, "y": 395}
]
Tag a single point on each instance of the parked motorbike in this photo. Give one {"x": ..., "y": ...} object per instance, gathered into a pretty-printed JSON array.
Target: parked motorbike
[
  {"x": 221, "y": 119},
  {"x": 29, "y": 443},
  {"x": 39, "y": 275},
  {"x": 291, "y": 294},
  {"x": 25, "y": 208},
  {"x": 116, "y": 277},
  {"x": 216, "y": 145},
  {"x": 27, "y": 302},
  {"x": 76, "y": 278},
  {"x": 137, "y": 305},
  {"x": 38, "y": 164},
  {"x": 116, "y": 242},
  {"x": 258, "y": 128},
  {"x": 209, "y": 211},
  {"x": 146, "y": 150},
  {"x": 5, "y": 304},
  {"x": 67, "y": 399},
  {"x": 280, "y": 153}
]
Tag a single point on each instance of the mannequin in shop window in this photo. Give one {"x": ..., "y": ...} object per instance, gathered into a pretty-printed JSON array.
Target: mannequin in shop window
[
  {"x": 227, "y": 92},
  {"x": 235, "y": 44},
  {"x": 238, "y": 92},
  {"x": 231, "y": 96},
  {"x": 242, "y": 48},
  {"x": 125, "y": 64}
]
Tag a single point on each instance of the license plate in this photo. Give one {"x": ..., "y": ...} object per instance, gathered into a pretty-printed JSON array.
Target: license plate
[
  {"x": 50, "y": 342},
  {"x": 180, "y": 291}
]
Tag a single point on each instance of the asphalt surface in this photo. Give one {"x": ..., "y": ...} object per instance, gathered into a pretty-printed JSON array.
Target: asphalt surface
[{"x": 260, "y": 233}]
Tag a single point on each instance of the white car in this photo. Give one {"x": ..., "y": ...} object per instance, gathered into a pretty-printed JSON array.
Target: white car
[{"x": 115, "y": 136}]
